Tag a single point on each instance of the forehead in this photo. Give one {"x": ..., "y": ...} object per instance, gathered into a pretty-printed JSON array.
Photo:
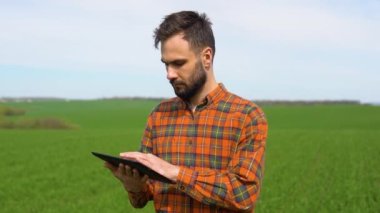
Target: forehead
[{"x": 176, "y": 47}]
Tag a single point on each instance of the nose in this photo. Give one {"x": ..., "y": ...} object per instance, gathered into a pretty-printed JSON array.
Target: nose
[{"x": 171, "y": 74}]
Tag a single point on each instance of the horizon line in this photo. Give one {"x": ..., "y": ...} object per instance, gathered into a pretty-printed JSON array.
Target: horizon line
[{"x": 45, "y": 98}]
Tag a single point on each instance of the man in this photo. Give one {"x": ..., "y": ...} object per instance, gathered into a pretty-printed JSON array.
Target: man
[{"x": 209, "y": 142}]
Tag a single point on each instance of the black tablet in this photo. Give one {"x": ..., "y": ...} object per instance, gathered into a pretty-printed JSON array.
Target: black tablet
[{"x": 115, "y": 161}]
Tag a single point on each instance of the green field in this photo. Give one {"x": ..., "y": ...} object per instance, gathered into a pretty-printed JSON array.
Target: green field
[{"x": 319, "y": 158}]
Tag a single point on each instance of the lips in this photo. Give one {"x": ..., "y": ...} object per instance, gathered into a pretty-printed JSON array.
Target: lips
[{"x": 177, "y": 83}]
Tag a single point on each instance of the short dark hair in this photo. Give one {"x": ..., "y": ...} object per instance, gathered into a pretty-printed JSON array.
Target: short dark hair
[{"x": 196, "y": 28}]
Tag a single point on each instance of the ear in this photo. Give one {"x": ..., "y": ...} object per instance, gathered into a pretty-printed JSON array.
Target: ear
[{"x": 207, "y": 58}]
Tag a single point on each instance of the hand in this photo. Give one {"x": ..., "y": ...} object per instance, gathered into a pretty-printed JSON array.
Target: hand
[
  {"x": 155, "y": 163},
  {"x": 131, "y": 179}
]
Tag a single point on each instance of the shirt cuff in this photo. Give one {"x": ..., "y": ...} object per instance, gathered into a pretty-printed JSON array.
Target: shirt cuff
[{"x": 186, "y": 178}]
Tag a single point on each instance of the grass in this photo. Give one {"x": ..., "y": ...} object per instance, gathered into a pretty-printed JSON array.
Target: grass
[
  {"x": 319, "y": 158},
  {"x": 322, "y": 159}
]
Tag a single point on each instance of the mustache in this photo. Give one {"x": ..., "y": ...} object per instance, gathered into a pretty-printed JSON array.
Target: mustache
[{"x": 176, "y": 82}]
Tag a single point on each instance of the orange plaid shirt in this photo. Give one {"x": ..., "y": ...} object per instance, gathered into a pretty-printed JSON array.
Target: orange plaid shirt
[{"x": 219, "y": 148}]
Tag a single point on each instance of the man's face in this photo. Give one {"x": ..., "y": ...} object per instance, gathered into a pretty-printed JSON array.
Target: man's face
[{"x": 184, "y": 68}]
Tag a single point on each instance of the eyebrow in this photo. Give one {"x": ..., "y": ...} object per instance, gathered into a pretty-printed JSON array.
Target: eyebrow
[{"x": 174, "y": 61}]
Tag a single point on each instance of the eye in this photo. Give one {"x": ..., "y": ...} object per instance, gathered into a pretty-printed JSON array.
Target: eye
[{"x": 178, "y": 63}]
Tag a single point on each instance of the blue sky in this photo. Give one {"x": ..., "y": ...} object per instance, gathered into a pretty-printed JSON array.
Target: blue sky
[{"x": 272, "y": 49}]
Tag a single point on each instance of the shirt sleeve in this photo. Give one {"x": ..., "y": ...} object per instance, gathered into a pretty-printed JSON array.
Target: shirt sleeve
[
  {"x": 146, "y": 147},
  {"x": 237, "y": 188}
]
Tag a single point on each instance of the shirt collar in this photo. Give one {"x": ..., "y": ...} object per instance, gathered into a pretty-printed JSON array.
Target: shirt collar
[{"x": 213, "y": 97}]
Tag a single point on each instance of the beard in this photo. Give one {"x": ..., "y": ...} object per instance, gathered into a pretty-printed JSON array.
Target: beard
[{"x": 186, "y": 91}]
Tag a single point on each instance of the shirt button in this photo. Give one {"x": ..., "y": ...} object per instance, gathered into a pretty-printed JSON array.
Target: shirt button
[{"x": 190, "y": 143}]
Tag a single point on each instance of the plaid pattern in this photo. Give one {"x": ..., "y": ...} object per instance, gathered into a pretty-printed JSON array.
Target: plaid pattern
[{"x": 219, "y": 148}]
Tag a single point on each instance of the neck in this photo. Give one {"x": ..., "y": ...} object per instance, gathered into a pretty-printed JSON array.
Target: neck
[{"x": 207, "y": 88}]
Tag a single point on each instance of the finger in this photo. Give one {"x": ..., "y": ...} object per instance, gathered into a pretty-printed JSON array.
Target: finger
[
  {"x": 128, "y": 171},
  {"x": 145, "y": 160},
  {"x": 136, "y": 173},
  {"x": 130, "y": 155},
  {"x": 121, "y": 169},
  {"x": 145, "y": 178},
  {"x": 110, "y": 167},
  {"x": 125, "y": 154}
]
